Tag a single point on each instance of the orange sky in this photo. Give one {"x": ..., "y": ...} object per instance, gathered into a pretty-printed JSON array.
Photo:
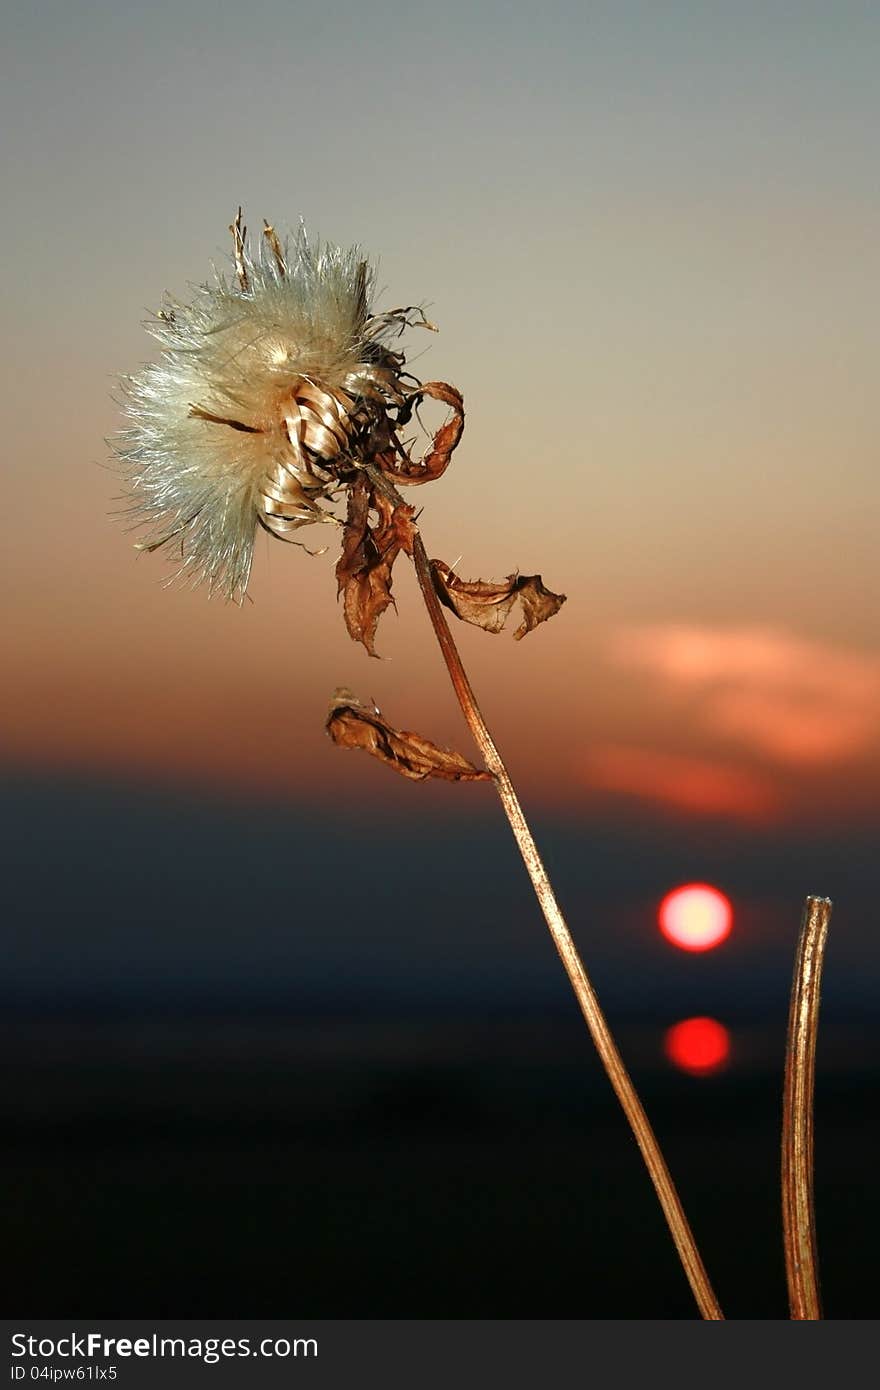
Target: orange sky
[{"x": 652, "y": 254}]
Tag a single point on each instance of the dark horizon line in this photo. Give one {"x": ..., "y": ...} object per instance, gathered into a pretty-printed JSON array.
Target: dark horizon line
[{"x": 631, "y": 816}]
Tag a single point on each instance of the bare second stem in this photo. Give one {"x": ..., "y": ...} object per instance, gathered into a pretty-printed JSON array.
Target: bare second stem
[
  {"x": 798, "y": 1210},
  {"x": 580, "y": 982}
]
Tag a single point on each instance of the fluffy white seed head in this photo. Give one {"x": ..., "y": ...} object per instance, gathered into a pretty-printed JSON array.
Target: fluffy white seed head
[{"x": 265, "y": 383}]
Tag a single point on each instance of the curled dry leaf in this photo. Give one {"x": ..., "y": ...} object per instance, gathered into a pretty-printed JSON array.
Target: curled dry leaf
[
  {"x": 351, "y": 724},
  {"x": 488, "y": 604},
  {"x": 411, "y": 472},
  {"x": 363, "y": 570}
]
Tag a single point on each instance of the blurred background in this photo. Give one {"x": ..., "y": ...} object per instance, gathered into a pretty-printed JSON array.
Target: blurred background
[{"x": 283, "y": 1035}]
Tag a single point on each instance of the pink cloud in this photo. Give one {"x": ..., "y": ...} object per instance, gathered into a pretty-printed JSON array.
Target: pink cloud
[
  {"x": 791, "y": 729},
  {"x": 689, "y": 784},
  {"x": 789, "y": 699}
]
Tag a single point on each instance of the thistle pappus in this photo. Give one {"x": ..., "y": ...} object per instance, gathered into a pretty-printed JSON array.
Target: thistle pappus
[{"x": 271, "y": 384}]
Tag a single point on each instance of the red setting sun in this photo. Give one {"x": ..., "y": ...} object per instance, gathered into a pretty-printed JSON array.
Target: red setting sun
[
  {"x": 697, "y": 1045},
  {"x": 695, "y": 917}
]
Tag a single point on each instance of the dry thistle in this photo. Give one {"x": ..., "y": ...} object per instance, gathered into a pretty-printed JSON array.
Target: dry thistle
[{"x": 279, "y": 391}]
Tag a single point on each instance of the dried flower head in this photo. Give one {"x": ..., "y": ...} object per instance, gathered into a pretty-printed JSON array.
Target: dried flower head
[
  {"x": 273, "y": 385},
  {"x": 278, "y": 389}
]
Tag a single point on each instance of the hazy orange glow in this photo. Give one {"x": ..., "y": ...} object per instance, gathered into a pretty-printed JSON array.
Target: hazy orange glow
[
  {"x": 792, "y": 729},
  {"x": 695, "y": 917},
  {"x": 699, "y": 1046},
  {"x": 700, "y": 655},
  {"x": 695, "y": 785}
]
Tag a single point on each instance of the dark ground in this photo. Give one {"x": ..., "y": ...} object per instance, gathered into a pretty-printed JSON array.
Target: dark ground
[
  {"x": 252, "y": 1071},
  {"x": 233, "y": 1168}
]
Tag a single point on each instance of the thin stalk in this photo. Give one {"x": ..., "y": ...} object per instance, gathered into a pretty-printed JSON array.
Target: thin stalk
[
  {"x": 562, "y": 939},
  {"x": 798, "y": 1209}
]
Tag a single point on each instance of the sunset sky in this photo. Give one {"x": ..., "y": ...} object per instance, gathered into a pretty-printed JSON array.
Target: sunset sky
[{"x": 649, "y": 237}]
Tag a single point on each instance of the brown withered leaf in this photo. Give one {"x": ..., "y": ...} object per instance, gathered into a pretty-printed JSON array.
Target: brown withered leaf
[
  {"x": 363, "y": 571},
  {"x": 351, "y": 724},
  {"x": 488, "y": 604},
  {"x": 411, "y": 472}
]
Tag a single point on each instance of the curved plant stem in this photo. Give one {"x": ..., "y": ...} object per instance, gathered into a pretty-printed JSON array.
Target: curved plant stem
[
  {"x": 798, "y": 1212},
  {"x": 562, "y": 939}
]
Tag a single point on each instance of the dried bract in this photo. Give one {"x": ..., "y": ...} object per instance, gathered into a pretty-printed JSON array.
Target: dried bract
[
  {"x": 403, "y": 469},
  {"x": 487, "y": 604},
  {"x": 364, "y": 568},
  {"x": 351, "y": 724}
]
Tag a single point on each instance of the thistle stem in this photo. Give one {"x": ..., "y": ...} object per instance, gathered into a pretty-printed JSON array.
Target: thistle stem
[
  {"x": 798, "y": 1211},
  {"x": 562, "y": 939}
]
